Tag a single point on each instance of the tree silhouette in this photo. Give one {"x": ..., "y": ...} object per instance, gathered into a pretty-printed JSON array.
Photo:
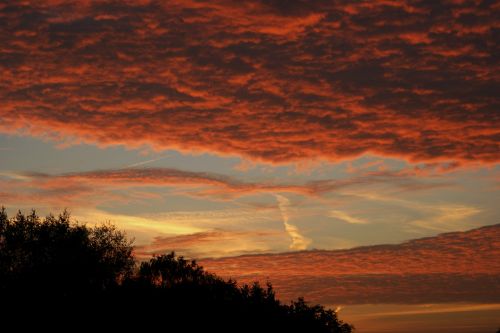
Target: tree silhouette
[
  {"x": 55, "y": 256},
  {"x": 63, "y": 273}
]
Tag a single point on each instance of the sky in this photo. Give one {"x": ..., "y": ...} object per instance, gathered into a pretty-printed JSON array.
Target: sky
[{"x": 311, "y": 131}]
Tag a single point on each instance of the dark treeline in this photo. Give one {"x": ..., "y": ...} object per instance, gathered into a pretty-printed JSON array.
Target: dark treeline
[{"x": 58, "y": 274}]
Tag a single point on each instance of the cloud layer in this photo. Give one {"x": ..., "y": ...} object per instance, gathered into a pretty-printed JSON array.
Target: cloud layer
[
  {"x": 452, "y": 267},
  {"x": 83, "y": 188},
  {"x": 269, "y": 80}
]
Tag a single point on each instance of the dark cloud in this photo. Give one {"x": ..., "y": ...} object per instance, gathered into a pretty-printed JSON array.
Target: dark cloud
[{"x": 269, "y": 80}]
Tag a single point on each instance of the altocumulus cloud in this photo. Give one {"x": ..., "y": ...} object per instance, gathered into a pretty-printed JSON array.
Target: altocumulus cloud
[
  {"x": 451, "y": 267},
  {"x": 269, "y": 80}
]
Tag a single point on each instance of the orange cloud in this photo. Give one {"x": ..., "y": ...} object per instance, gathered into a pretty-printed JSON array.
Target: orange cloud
[
  {"x": 91, "y": 187},
  {"x": 269, "y": 80},
  {"x": 458, "y": 266},
  {"x": 217, "y": 242}
]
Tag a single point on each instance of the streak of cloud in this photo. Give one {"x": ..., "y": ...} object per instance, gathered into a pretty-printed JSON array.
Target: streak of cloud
[
  {"x": 299, "y": 242},
  {"x": 138, "y": 164},
  {"x": 346, "y": 217},
  {"x": 215, "y": 243},
  {"x": 199, "y": 184}
]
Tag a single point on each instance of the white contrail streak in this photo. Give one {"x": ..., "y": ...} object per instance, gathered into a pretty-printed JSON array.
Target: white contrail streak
[
  {"x": 299, "y": 242},
  {"x": 346, "y": 217},
  {"x": 146, "y": 162}
]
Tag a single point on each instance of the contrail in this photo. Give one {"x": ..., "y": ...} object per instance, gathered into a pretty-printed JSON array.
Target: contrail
[
  {"x": 346, "y": 217},
  {"x": 146, "y": 162},
  {"x": 299, "y": 242}
]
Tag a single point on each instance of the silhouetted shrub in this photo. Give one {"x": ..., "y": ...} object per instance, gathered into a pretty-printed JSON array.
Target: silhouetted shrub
[{"x": 65, "y": 275}]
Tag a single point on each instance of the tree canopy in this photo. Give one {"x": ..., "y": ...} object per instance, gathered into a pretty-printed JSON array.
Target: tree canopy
[
  {"x": 57, "y": 256},
  {"x": 64, "y": 272}
]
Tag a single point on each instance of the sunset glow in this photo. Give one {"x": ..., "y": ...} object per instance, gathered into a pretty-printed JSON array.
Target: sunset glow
[{"x": 347, "y": 151}]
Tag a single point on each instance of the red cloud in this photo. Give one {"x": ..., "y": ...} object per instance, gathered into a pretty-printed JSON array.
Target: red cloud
[
  {"x": 269, "y": 80},
  {"x": 458, "y": 266},
  {"x": 89, "y": 187}
]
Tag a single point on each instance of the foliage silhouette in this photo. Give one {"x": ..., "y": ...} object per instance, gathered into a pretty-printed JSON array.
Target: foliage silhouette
[
  {"x": 62, "y": 273},
  {"x": 56, "y": 256}
]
